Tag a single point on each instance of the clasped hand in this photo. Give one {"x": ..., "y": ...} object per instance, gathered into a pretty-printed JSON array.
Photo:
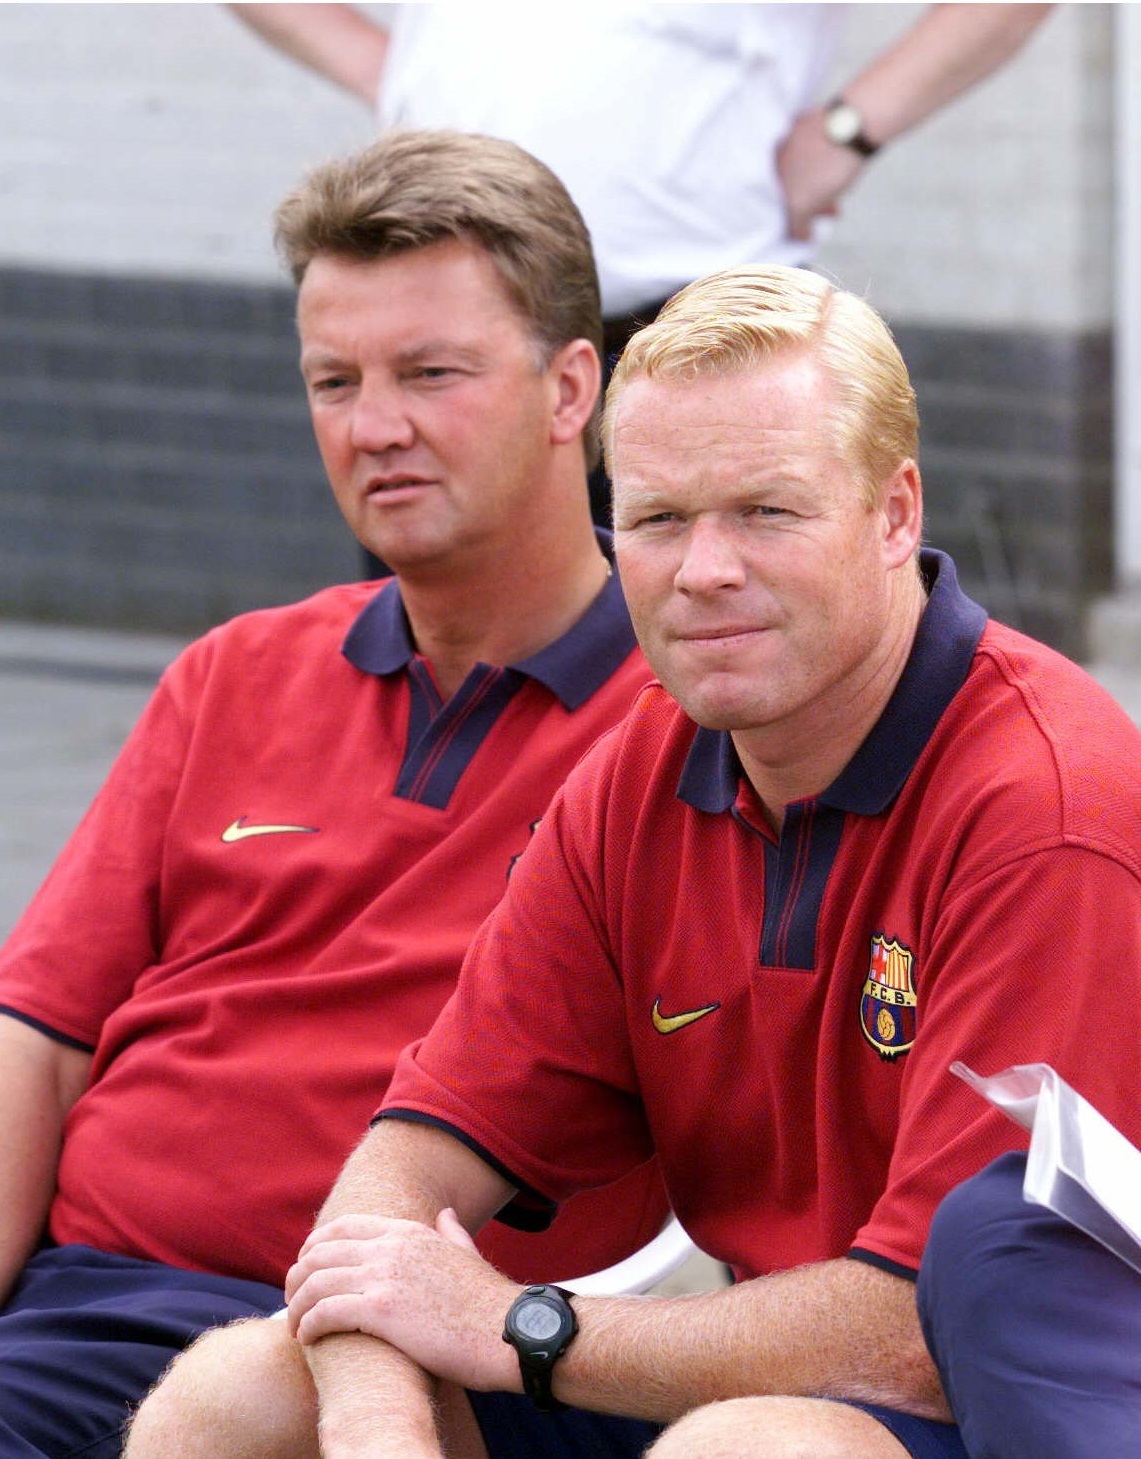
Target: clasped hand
[{"x": 426, "y": 1290}]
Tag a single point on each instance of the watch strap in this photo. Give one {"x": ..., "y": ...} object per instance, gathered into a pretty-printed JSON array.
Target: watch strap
[{"x": 537, "y": 1385}]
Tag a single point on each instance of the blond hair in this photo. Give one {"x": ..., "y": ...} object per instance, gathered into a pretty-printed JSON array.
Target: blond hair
[{"x": 738, "y": 319}]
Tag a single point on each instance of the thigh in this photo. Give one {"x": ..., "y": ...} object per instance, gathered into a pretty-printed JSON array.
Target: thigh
[
  {"x": 513, "y": 1428},
  {"x": 1036, "y": 1328},
  {"x": 85, "y": 1335}
]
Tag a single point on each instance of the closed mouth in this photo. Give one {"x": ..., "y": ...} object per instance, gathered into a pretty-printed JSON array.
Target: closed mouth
[
  {"x": 718, "y": 635},
  {"x": 396, "y": 483}
]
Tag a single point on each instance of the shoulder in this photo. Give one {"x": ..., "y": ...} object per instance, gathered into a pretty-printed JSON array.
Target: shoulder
[
  {"x": 655, "y": 724},
  {"x": 636, "y": 763},
  {"x": 301, "y": 632},
  {"x": 1050, "y": 701},
  {"x": 330, "y": 611},
  {"x": 1044, "y": 745}
]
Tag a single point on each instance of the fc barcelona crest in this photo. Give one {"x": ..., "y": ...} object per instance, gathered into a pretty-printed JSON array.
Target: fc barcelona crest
[{"x": 887, "y": 1008}]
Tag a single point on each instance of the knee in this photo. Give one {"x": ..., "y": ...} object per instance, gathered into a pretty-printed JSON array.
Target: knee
[
  {"x": 712, "y": 1432},
  {"x": 239, "y": 1390},
  {"x": 769, "y": 1428}
]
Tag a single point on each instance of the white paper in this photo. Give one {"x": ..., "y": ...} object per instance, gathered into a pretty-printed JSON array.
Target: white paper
[{"x": 1079, "y": 1165}]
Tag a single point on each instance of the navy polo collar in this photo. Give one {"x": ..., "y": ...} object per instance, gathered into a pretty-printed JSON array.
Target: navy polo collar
[
  {"x": 936, "y": 670},
  {"x": 572, "y": 668}
]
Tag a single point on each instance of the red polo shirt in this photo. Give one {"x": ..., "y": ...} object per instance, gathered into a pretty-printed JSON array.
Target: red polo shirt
[
  {"x": 270, "y": 896},
  {"x": 775, "y": 1017}
]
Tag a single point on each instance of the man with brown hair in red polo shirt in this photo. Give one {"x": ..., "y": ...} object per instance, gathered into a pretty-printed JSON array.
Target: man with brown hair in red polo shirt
[{"x": 274, "y": 890}]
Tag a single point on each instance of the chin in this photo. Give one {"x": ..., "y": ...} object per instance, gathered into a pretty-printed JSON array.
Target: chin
[
  {"x": 728, "y": 706},
  {"x": 714, "y": 714}
]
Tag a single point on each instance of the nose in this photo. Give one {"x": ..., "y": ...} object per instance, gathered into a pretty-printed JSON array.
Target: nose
[
  {"x": 380, "y": 419},
  {"x": 711, "y": 560}
]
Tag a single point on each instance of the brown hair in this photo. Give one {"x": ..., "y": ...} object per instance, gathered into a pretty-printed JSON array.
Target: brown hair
[
  {"x": 415, "y": 188},
  {"x": 735, "y": 320}
]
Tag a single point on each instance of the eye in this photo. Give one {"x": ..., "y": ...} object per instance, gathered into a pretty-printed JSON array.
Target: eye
[
  {"x": 431, "y": 374},
  {"x": 632, "y": 521},
  {"x": 327, "y": 384}
]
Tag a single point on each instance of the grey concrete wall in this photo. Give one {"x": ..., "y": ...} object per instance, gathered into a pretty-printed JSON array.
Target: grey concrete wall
[
  {"x": 155, "y": 463},
  {"x": 986, "y": 238},
  {"x": 157, "y": 468},
  {"x": 157, "y": 139},
  {"x": 153, "y": 139}
]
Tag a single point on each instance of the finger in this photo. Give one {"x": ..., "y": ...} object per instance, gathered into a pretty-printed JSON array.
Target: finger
[
  {"x": 327, "y": 1283},
  {"x": 355, "y": 1226},
  {"x": 452, "y": 1229},
  {"x": 372, "y": 1256},
  {"x": 330, "y": 1254},
  {"x": 341, "y": 1312}
]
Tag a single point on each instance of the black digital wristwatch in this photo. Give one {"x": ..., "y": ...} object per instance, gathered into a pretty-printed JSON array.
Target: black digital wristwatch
[{"x": 539, "y": 1326}]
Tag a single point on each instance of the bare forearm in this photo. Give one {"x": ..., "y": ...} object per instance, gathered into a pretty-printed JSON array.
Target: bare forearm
[
  {"x": 948, "y": 50},
  {"x": 412, "y": 1171},
  {"x": 837, "y": 1329},
  {"x": 337, "y": 41},
  {"x": 372, "y": 1398},
  {"x": 39, "y": 1081}
]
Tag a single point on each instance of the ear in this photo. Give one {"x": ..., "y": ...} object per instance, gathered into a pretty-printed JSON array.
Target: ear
[
  {"x": 576, "y": 376},
  {"x": 901, "y": 506}
]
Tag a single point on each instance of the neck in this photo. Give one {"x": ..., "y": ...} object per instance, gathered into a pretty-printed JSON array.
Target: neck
[
  {"x": 506, "y": 607},
  {"x": 799, "y": 758}
]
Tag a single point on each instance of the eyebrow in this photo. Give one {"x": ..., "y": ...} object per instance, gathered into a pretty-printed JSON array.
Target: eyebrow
[
  {"x": 464, "y": 354},
  {"x": 317, "y": 358}
]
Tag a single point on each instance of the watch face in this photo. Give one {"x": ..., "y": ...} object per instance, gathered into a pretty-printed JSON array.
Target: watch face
[
  {"x": 842, "y": 123},
  {"x": 537, "y": 1320}
]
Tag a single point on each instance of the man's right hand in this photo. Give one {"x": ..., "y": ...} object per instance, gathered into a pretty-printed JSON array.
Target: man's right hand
[{"x": 814, "y": 174}]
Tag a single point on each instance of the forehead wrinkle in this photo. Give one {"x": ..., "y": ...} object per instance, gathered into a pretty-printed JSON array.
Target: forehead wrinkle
[
  {"x": 318, "y": 354},
  {"x": 755, "y": 456},
  {"x": 766, "y": 428}
]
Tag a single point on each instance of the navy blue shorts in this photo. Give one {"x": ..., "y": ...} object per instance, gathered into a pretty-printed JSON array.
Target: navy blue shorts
[
  {"x": 1035, "y": 1327},
  {"x": 512, "y": 1428},
  {"x": 85, "y": 1335}
]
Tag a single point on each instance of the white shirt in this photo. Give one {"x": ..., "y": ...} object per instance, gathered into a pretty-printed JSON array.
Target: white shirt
[{"x": 662, "y": 120}]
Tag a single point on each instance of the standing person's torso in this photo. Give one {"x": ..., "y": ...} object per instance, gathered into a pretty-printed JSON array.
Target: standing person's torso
[{"x": 662, "y": 120}]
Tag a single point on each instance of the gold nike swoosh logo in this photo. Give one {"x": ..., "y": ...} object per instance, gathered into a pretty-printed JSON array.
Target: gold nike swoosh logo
[
  {"x": 239, "y": 831},
  {"x": 670, "y": 1023}
]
